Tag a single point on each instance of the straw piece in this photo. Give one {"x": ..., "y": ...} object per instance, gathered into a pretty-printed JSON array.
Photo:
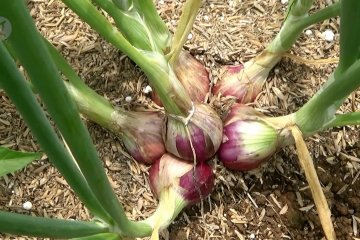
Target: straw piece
[{"x": 318, "y": 195}]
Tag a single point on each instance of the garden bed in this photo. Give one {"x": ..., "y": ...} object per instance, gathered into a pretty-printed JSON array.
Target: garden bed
[{"x": 272, "y": 202}]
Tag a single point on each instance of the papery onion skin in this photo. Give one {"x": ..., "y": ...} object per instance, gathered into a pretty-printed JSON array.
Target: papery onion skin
[
  {"x": 180, "y": 176},
  {"x": 193, "y": 76},
  {"x": 234, "y": 82},
  {"x": 248, "y": 140},
  {"x": 141, "y": 134},
  {"x": 245, "y": 81},
  {"x": 204, "y": 182},
  {"x": 205, "y": 128}
]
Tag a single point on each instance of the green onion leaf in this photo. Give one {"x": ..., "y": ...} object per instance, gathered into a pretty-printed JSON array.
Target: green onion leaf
[
  {"x": 20, "y": 224},
  {"x": 11, "y": 161}
]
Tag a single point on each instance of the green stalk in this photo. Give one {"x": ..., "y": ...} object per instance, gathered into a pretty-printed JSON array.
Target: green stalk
[
  {"x": 295, "y": 23},
  {"x": 149, "y": 15},
  {"x": 346, "y": 119},
  {"x": 157, "y": 26},
  {"x": 21, "y": 95},
  {"x": 19, "y": 224},
  {"x": 89, "y": 103},
  {"x": 320, "y": 110},
  {"x": 96, "y": 109},
  {"x": 187, "y": 18},
  {"x": 99, "y": 110},
  {"x": 349, "y": 31},
  {"x": 131, "y": 25},
  {"x": 172, "y": 93},
  {"x": 298, "y": 8},
  {"x": 36, "y": 59}
]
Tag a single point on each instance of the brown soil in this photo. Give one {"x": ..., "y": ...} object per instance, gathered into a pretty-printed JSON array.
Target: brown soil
[{"x": 272, "y": 202}]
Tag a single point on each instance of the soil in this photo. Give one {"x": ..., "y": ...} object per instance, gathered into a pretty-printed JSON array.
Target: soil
[{"x": 272, "y": 202}]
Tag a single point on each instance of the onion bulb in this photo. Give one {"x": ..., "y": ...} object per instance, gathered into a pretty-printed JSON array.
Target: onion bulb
[
  {"x": 140, "y": 131},
  {"x": 141, "y": 134},
  {"x": 177, "y": 184},
  {"x": 196, "y": 138},
  {"x": 192, "y": 75},
  {"x": 245, "y": 82},
  {"x": 250, "y": 137}
]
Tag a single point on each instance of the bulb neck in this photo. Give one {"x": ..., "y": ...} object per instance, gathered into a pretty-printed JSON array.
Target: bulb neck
[{"x": 171, "y": 203}]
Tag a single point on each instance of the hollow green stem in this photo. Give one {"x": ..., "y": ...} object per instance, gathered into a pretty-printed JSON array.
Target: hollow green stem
[
  {"x": 21, "y": 95},
  {"x": 19, "y": 224},
  {"x": 159, "y": 30},
  {"x": 320, "y": 110},
  {"x": 345, "y": 119},
  {"x": 155, "y": 66},
  {"x": 149, "y": 15},
  {"x": 349, "y": 34},
  {"x": 33, "y": 53},
  {"x": 88, "y": 102},
  {"x": 187, "y": 18},
  {"x": 96, "y": 109},
  {"x": 298, "y": 8},
  {"x": 131, "y": 25},
  {"x": 295, "y": 24}
]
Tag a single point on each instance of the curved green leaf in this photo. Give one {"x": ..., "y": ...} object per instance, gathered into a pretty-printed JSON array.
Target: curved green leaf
[
  {"x": 11, "y": 161},
  {"x": 20, "y": 224}
]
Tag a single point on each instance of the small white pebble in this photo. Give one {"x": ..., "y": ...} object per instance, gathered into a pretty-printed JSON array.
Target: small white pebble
[
  {"x": 206, "y": 18},
  {"x": 276, "y": 71},
  {"x": 222, "y": 18},
  {"x": 328, "y": 35},
  {"x": 161, "y": 2},
  {"x": 190, "y": 36},
  {"x": 147, "y": 89},
  {"x": 212, "y": 5},
  {"x": 27, "y": 205},
  {"x": 252, "y": 236},
  {"x": 284, "y": 1},
  {"x": 308, "y": 32},
  {"x": 128, "y": 99}
]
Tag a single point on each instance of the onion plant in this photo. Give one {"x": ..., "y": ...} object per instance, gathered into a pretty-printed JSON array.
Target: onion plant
[
  {"x": 317, "y": 114},
  {"x": 86, "y": 176},
  {"x": 181, "y": 138},
  {"x": 185, "y": 133},
  {"x": 250, "y": 137},
  {"x": 140, "y": 131},
  {"x": 79, "y": 164},
  {"x": 245, "y": 81}
]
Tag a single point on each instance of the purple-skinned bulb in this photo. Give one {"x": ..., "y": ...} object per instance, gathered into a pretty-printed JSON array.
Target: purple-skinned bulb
[
  {"x": 193, "y": 76},
  {"x": 141, "y": 135},
  {"x": 191, "y": 183},
  {"x": 248, "y": 139},
  {"x": 177, "y": 184},
  {"x": 198, "y": 136}
]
